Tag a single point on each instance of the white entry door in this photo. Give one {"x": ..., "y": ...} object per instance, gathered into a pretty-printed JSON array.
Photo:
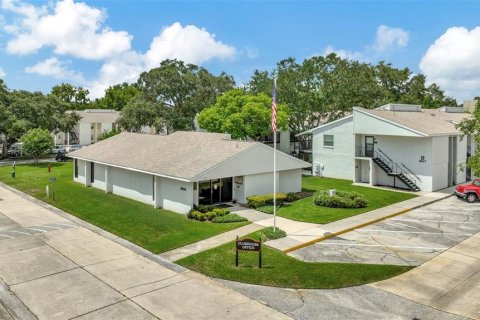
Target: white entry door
[{"x": 365, "y": 177}]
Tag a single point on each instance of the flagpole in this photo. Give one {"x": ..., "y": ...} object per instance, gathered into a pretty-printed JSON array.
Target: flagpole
[{"x": 274, "y": 169}]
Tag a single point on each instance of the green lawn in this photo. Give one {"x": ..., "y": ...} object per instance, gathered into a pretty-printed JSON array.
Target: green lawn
[
  {"x": 156, "y": 230},
  {"x": 306, "y": 210},
  {"x": 281, "y": 270}
]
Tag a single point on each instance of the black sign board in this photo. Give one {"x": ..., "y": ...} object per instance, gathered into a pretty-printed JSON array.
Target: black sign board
[{"x": 248, "y": 245}]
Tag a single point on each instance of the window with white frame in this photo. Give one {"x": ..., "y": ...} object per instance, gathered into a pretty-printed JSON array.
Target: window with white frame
[{"x": 328, "y": 140}]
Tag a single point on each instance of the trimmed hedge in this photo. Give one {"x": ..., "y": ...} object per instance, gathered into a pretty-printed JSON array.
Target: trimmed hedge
[
  {"x": 229, "y": 218},
  {"x": 292, "y": 196},
  {"x": 207, "y": 215},
  {"x": 265, "y": 200},
  {"x": 267, "y": 209},
  {"x": 340, "y": 200}
]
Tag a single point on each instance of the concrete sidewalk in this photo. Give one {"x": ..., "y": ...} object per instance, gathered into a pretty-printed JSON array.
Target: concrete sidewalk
[
  {"x": 76, "y": 272},
  {"x": 449, "y": 282},
  {"x": 315, "y": 233}
]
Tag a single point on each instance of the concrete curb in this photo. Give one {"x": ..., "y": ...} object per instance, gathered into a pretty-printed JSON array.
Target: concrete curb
[
  {"x": 110, "y": 236},
  {"x": 14, "y": 306},
  {"x": 361, "y": 225}
]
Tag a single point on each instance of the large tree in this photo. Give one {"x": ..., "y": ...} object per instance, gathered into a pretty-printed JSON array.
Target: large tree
[
  {"x": 181, "y": 91},
  {"x": 37, "y": 142},
  {"x": 140, "y": 112},
  {"x": 471, "y": 126},
  {"x": 325, "y": 88},
  {"x": 243, "y": 116},
  {"x": 76, "y": 97},
  {"x": 21, "y": 111},
  {"x": 117, "y": 96}
]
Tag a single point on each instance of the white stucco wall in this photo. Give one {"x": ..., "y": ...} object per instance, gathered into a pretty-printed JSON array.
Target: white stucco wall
[
  {"x": 338, "y": 162},
  {"x": 256, "y": 184},
  {"x": 174, "y": 195},
  {"x": 81, "y": 172},
  {"x": 290, "y": 181},
  {"x": 131, "y": 184},
  {"x": 85, "y": 133},
  {"x": 408, "y": 150},
  {"x": 99, "y": 176}
]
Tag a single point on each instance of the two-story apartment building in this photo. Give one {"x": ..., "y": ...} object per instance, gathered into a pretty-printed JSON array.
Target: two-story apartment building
[{"x": 396, "y": 145}]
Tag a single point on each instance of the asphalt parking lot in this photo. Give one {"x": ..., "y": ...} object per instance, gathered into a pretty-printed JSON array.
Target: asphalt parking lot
[{"x": 408, "y": 239}]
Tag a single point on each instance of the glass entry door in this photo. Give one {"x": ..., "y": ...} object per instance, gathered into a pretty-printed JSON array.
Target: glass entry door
[
  {"x": 215, "y": 191},
  {"x": 369, "y": 146}
]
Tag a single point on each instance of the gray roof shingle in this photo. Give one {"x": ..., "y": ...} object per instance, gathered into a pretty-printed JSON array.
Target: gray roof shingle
[{"x": 181, "y": 155}]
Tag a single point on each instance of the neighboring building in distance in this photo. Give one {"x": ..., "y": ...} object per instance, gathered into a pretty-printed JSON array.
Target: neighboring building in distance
[
  {"x": 93, "y": 122},
  {"x": 184, "y": 169},
  {"x": 396, "y": 145}
]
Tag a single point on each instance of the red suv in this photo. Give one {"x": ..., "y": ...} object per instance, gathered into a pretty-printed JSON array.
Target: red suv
[{"x": 470, "y": 192}]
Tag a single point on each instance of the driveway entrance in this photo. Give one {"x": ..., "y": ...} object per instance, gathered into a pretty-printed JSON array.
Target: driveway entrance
[{"x": 409, "y": 239}]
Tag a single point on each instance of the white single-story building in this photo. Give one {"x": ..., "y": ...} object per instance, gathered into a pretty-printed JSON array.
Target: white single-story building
[
  {"x": 184, "y": 169},
  {"x": 396, "y": 145}
]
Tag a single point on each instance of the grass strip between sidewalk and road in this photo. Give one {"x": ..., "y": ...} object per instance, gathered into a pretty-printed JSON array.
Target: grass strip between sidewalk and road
[
  {"x": 281, "y": 270},
  {"x": 156, "y": 230}
]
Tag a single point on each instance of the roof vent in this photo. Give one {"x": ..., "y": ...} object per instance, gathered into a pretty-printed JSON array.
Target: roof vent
[
  {"x": 451, "y": 109},
  {"x": 401, "y": 107}
]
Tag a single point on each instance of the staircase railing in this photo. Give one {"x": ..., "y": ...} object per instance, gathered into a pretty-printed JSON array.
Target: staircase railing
[
  {"x": 396, "y": 168},
  {"x": 385, "y": 159}
]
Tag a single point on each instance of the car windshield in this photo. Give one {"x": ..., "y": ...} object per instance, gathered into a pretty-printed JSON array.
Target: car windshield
[{"x": 476, "y": 183}]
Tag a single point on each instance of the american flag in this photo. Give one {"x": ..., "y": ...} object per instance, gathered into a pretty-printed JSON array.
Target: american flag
[{"x": 274, "y": 106}]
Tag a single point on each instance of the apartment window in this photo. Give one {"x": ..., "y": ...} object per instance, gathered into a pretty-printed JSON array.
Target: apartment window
[
  {"x": 328, "y": 140},
  {"x": 92, "y": 172},
  {"x": 76, "y": 168}
]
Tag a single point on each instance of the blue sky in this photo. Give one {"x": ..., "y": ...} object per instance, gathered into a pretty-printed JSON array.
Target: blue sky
[{"x": 99, "y": 43}]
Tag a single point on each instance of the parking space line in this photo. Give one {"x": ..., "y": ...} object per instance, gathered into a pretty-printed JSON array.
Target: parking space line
[
  {"x": 56, "y": 228},
  {"x": 377, "y": 245},
  {"x": 401, "y": 224},
  {"x": 417, "y": 232},
  {"x": 3, "y": 235},
  {"x": 65, "y": 225},
  {"x": 40, "y": 230},
  {"x": 424, "y": 220},
  {"x": 16, "y": 231}
]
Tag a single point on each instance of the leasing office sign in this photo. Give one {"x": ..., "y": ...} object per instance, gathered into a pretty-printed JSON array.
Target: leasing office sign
[{"x": 248, "y": 245}]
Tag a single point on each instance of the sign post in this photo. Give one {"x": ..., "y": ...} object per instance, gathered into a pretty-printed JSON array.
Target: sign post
[
  {"x": 53, "y": 180},
  {"x": 248, "y": 245}
]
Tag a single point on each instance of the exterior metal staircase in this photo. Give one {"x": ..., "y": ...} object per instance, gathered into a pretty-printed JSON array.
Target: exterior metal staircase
[{"x": 395, "y": 170}]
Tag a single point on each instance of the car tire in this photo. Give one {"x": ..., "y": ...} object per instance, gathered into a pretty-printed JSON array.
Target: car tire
[{"x": 471, "y": 197}]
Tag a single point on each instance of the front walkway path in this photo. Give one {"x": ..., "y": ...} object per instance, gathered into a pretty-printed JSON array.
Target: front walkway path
[
  {"x": 55, "y": 266},
  {"x": 448, "y": 282}
]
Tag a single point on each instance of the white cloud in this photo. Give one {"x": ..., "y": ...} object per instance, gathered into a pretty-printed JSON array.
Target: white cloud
[
  {"x": 78, "y": 30},
  {"x": 2, "y": 73},
  {"x": 452, "y": 62},
  {"x": 345, "y": 54},
  {"x": 71, "y": 28},
  {"x": 388, "y": 38},
  {"x": 189, "y": 43},
  {"x": 55, "y": 68}
]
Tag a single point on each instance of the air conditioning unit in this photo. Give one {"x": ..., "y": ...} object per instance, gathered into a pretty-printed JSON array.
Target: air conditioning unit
[{"x": 318, "y": 169}]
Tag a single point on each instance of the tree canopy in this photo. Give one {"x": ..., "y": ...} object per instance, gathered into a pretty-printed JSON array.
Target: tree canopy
[
  {"x": 242, "y": 115},
  {"x": 37, "y": 142},
  {"x": 22, "y": 110},
  {"x": 325, "y": 88},
  {"x": 471, "y": 126},
  {"x": 180, "y": 91},
  {"x": 117, "y": 96},
  {"x": 75, "y": 97}
]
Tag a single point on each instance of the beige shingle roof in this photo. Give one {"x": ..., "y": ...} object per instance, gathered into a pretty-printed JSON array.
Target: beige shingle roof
[
  {"x": 182, "y": 155},
  {"x": 430, "y": 122}
]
